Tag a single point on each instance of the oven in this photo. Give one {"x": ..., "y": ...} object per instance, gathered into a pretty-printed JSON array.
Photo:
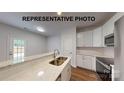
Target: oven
[{"x": 103, "y": 70}]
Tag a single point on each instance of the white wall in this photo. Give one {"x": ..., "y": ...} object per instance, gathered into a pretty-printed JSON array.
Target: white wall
[
  {"x": 119, "y": 49},
  {"x": 35, "y": 44},
  {"x": 68, "y": 44},
  {"x": 65, "y": 42},
  {"x": 54, "y": 42},
  {"x": 118, "y": 69}
]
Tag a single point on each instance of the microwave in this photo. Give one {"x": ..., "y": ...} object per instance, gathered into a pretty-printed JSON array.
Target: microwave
[{"x": 109, "y": 40}]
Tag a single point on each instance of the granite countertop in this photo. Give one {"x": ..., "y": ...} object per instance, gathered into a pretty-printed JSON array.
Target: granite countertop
[{"x": 37, "y": 70}]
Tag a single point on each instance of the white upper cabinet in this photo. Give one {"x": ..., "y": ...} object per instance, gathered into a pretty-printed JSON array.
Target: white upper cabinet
[
  {"x": 97, "y": 37},
  {"x": 79, "y": 38},
  {"x": 91, "y": 38},
  {"x": 108, "y": 28},
  {"x": 84, "y": 39},
  {"x": 87, "y": 39}
]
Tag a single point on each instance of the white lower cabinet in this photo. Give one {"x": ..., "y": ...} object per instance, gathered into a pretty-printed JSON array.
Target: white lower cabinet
[
  {"x": 79, "y": 61},
  {"x": 93, "y": 63},
  {"x": 87, "y": 62},
  {"x": 66, "y": 73}
]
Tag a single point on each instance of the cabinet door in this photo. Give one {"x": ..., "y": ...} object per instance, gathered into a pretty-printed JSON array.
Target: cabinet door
[
  {"x": 66, "y": 73},
  {"x": 80, "y": 39},
  {"x": 93, "y": 63},
  {"x": 87, "y": 62},
  {"x": 108, "y": 28},
  {"x": 79, "y": 60},
  {"x": 87, "y": 39},
  {"x": 97, "y": 37},
  {"x": 84, "y": 39}
]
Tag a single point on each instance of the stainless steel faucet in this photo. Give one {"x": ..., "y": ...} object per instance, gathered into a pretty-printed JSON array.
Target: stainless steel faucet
[{"x": 56, "y": 51}]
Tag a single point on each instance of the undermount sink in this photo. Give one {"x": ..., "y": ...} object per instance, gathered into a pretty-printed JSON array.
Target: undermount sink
[{"x": 58, "y": 61}]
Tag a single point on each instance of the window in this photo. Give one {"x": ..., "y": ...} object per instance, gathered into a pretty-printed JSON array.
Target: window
[{"x": 18, "y": 50}]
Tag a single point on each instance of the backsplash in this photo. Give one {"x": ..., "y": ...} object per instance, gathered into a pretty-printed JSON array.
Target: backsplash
[
  {"x": 106, "y": 51},
  {"x": 109, "y": 51}
]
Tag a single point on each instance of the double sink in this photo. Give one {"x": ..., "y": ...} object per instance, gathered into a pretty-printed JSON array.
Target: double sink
[{"x": 58, "y": 61}]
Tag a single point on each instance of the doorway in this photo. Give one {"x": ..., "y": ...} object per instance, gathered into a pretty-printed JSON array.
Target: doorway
[{"x": 17, "y": 50}]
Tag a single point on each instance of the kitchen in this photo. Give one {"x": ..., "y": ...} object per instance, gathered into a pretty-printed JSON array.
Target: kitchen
[{"x": 56, "y": 51}]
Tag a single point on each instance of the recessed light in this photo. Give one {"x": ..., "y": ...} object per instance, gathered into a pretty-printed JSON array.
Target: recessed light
[
  {"x": 59, "y": 13},
  {"x": 40, "y": 29}
]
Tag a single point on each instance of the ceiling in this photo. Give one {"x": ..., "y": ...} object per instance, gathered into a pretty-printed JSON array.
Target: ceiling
[{"x": 52, "y": 28}]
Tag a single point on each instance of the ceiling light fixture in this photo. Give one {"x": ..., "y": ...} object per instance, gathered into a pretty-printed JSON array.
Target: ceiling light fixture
[
  {"x": 59, "y": 13},
  {"x": 40, "y": 29}
]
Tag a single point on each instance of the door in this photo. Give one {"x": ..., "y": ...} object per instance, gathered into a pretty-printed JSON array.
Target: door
[
  {"x": 68, "y": 45},
  {"x": 17, "y": 50}
]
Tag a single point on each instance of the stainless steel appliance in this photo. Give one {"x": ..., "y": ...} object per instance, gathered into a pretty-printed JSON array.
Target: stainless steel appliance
[
  {"x": 104, "y": 69},
  {"x": 109, "y": 40}
]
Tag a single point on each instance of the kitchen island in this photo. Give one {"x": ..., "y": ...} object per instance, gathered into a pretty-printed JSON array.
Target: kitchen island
[{"x": 38, "y": 69}]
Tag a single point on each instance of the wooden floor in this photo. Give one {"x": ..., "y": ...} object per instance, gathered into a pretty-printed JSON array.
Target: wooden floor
[{"x": 80, "y": 74}]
